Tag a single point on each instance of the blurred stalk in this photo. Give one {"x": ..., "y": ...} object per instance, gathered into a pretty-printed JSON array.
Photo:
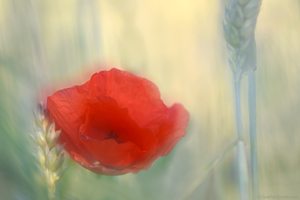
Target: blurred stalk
[
  {"x": 131, "y": 44},
  {"x": 252, "y": 133},
  {"x": 239, "y": 29},
  {"x": 95, "y": 10},
  {"x": 88, "y": 29},
  {"x": 241, "y": 150}
]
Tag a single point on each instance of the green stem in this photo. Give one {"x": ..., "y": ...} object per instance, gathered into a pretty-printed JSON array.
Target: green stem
[
  {"x": 252, "y": 133},
  {"x": 241, "y": 151}
]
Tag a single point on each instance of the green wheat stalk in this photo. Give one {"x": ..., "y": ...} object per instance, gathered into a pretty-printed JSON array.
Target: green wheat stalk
[{"x": 239, "y": 29}]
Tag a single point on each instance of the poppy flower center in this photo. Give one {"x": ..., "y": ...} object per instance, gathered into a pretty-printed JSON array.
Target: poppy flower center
[
  {"x": 101, "y": 133},
  {"x": 113, "y": 135}
]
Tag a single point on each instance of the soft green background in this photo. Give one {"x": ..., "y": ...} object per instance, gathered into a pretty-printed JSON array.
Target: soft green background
[{"x": 178, "y": 44}]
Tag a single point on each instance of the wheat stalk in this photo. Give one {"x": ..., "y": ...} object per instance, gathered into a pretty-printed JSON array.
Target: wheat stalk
[
  {"x": 239, "y": 29},
  {"x": 252, "y": 133},
  {"x": 50, "y": 155}
]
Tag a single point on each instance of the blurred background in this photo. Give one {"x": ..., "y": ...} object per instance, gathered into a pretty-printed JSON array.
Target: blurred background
[{"x": 178, "y": 44}]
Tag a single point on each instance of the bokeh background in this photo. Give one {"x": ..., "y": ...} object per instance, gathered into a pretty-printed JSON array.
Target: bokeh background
[{"x": 178, "y": 44}]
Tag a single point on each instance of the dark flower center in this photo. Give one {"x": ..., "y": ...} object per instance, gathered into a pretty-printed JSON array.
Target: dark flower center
[
  {"x": 102, "y": 135},
  {"x": 113, "y": 135}
]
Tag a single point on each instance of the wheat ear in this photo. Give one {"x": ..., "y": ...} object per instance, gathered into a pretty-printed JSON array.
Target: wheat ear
[
  {"x": 239, "y": 29},
  {"x": 50, "y": 155}
]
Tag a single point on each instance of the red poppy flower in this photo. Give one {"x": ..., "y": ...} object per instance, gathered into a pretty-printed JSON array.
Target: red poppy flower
[{"x": 116, "y": 122}]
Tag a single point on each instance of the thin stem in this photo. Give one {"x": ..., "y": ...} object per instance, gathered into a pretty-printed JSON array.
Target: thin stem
[
  {"x": 241, "y": 152},
  {"x": 210, "y": 167},
  {"x": 238, "y": 112},
  {"x": 243, "y": 171},
  {"x": 252, "y": 133}
]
